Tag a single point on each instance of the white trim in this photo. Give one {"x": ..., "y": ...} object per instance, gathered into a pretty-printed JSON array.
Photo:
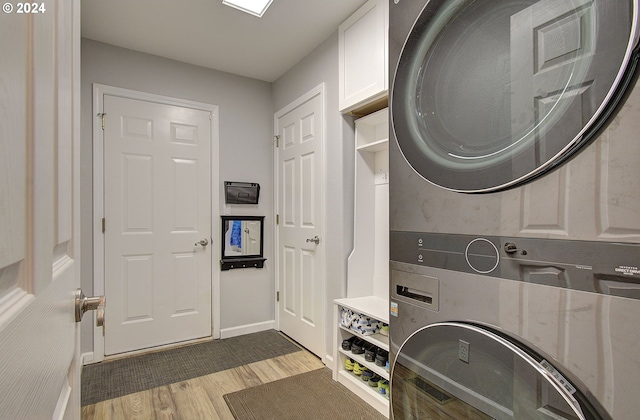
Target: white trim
[
  {"x": 318, "y": 90},
  {"x": 87, "y": 358},
  {"x": 99, "y": 91},
  {"x": 248, "y": 329}
]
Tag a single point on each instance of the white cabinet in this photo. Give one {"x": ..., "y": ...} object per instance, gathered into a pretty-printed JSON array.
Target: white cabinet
[
  {"x": 368, "y": 264},
  {"x": 363, "y": 56},
  {"x": 374, "y": 307}
]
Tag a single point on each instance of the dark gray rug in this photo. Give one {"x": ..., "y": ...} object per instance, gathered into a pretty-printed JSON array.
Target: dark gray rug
[
  {"x": 103, "y": 381},
  {"x": 309, "y": 396}
]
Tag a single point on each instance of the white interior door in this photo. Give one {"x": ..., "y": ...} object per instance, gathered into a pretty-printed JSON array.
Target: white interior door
[
  {"x": 300, "y": 210},
  {"x": 39, "y": 212},
  {"x": 157, "y": 210}
]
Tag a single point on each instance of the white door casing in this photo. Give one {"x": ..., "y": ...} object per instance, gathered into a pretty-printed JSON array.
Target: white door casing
[
  {"x": 300, "y": 209},
  {"x": 39, "y": 211},
  {"x": 158, "y": 199}
]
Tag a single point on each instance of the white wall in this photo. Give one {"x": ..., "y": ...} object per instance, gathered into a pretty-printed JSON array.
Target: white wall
[
  {"x": 322, "y": 66},
  {"x": 246, "y": 154}
]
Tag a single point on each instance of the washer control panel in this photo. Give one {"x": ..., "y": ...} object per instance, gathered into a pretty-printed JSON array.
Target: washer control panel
[{"x": 600, "y": 267}]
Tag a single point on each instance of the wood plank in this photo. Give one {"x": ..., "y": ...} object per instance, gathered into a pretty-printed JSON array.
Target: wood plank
[
  {"x": 191, "y": 400},
  {"x": 201, "y": 397}
]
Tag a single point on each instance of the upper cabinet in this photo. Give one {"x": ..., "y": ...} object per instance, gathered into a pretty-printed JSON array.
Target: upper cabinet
[{"x": 363, "y": 58}]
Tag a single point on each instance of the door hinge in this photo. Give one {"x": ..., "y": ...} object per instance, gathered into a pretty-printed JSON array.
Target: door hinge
[
  {"x": 277, "y": 140},
  {"x": 102, "y": 115},
  {"x": 277, "y": 296},
  {"x": 103, "y": 224},
  {"x": 277, "y": 219}
]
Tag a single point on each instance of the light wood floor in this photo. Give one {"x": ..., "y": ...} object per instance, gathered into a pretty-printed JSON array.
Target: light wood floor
[{"x": 201, "y": 398}]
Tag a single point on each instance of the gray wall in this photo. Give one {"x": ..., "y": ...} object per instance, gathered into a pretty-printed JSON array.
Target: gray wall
[
  {"x": 246, "y": 154},
  {"x": 322, "y": 66}
]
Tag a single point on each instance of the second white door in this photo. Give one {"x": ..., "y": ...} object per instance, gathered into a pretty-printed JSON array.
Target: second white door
[
  {"x": 300, "y": 229},
  {"x": 157, "y": 209}
]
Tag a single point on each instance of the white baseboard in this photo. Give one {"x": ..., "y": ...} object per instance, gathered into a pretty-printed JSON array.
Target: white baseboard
[
  {"x": 329, "y": 362},
  {"x": 247, "y": 329},
  {"x": 87, "y": 358}
]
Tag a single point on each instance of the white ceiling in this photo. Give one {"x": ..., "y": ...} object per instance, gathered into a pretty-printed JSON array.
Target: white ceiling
[{"x": 207, "y": 33}]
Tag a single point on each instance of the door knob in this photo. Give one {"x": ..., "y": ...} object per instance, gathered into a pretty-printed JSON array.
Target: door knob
[
  {"x": 203, "y": 242},
  {"x": 511, "y": 248},
  {"x": 84, "y": 304},
  {"x": 314, "y": 239}
]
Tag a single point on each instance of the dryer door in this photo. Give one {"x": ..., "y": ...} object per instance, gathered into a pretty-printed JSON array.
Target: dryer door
[
  {"x": 491, "y": 94},
  {"x": 455, "y": 370}
]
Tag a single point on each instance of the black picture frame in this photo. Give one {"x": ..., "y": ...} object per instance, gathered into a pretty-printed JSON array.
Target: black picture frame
[{"x": 233, "y": 256}]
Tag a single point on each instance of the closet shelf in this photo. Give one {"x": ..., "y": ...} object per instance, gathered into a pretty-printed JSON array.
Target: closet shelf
[
  {"x": 377, "y": 340},
  {"x": 375, "y": 146},
  {"x": 373, "y": 306}
]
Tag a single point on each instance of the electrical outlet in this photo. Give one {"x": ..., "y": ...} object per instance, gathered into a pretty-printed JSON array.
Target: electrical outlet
[{"x": 463, "y": 351}]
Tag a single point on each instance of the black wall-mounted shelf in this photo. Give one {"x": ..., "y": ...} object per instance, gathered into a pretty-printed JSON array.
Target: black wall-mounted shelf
[{"x": 228, "y": 264}]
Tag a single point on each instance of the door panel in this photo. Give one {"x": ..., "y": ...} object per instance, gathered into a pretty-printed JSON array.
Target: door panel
[
  {"x": 300, "y": 260},
  {"x": 157, "y": 206},
  {"x": 39, "y": 216}
]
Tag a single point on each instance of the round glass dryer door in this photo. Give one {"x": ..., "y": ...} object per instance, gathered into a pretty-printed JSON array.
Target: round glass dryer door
[
  {"x": 461, "y": 371},
  {"x": 489, "y": 94}
]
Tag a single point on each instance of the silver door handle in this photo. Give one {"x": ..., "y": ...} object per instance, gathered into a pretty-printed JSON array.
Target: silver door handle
[
  {"x": 84, "y": 304},
  {"x": 202, "y": 242},
  {"x": 314, "y": 239}
]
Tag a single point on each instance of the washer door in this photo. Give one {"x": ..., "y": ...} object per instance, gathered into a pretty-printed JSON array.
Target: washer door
[
  {"x": 489, "y": 94},
  {"x": 456, "y": 370}
]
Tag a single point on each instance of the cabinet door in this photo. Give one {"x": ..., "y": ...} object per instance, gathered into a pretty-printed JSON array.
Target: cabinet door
[{"x": 363, "y": 55}]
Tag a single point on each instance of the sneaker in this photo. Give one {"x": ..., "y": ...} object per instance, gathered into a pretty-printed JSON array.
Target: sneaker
[
  {"x": 366, "y": 375},
  {"x": 346, "y": 344},
  {"x": 370, "y": 352},
  {"x": 358, "y": 346},
  {"x": 358, "y": 368},
  {"x": 383, "y": 388},
  {"x": 374, "y": 380},
  {"x": 382, "y": 356},
  {"x": 348, "y": 364}
]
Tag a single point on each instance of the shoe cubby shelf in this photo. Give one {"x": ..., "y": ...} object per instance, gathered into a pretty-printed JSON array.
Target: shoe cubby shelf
[
  {"x": 373, "y": 307},
  {"x": 364, "y": 391},
  {"x": 377, "y": 340},
  {"x": 369, "y": 365}
]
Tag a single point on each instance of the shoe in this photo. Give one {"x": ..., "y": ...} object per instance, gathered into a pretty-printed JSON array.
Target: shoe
[
  {"x": 370, "y": 353},
  {"x": 374, "y": 380},
  {"x": 358, "y": 368},
  {"x": 357, "y": 347},
  {"x": 346, "y": 344},
  {"x": 382, "y": 356},
  {"x": 348, "y": 364},
  {"x": 383, "y": 388},
  {"x": 366, "y": 375}
]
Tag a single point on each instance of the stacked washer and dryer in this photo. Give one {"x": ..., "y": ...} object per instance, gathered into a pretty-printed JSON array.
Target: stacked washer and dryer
[{"x": 514, "y": 209}]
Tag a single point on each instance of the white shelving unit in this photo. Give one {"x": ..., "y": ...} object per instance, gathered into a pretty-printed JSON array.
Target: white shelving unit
[
  {"x": 374, "y": 307},
  {"x": 371, "y": 223},
  {"x": 368, "y": 265}
]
